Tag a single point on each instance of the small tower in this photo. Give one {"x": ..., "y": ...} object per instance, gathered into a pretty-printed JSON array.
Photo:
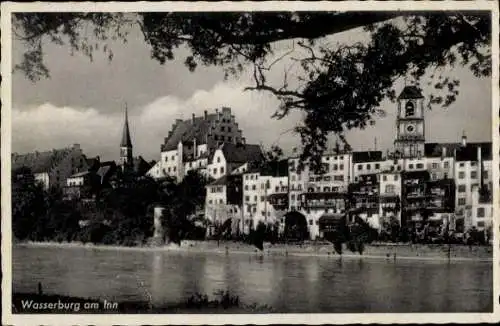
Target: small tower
[
  {"x": 126, "y": 145},
  {"x": 410, "y": 123}
]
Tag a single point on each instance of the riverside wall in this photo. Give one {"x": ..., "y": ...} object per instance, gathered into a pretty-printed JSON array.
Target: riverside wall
[
  {"x": 382, "y": 250},
  {"x": 374, "y": 250}
]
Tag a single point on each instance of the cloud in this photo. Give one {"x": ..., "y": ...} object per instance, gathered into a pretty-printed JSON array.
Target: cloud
[{"x": 48, "y": 126}]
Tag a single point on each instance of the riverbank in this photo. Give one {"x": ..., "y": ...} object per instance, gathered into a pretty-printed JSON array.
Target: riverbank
[{"x": 391, "y": 251}]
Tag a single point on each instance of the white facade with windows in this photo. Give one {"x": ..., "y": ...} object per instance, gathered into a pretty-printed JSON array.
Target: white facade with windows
[
  {"x": 218, "y": 166},
  {"x": 481, "y": 213}
]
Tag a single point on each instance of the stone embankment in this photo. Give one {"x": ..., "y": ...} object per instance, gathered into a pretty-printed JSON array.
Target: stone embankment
[
  {"x": 378, "y": 250},
  {"x": 374, "y": 250}
]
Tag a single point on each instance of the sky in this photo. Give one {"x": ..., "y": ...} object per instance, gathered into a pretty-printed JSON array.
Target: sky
[{"x": 83, "y": 102}]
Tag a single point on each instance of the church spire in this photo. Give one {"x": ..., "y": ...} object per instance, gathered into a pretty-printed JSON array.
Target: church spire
[{"x": 126, "y": 141}]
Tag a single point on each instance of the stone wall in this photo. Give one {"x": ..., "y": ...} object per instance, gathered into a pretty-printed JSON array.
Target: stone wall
[{"x": 373, "y": 250}]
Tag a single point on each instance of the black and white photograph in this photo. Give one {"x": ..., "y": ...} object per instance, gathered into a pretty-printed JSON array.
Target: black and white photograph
[{"x": 247, "y": 163}]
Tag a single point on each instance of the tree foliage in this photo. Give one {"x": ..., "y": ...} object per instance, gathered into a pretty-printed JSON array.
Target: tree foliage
[
  {"x": 121, "y": 215},
  {"x": 337, "y": 87}
]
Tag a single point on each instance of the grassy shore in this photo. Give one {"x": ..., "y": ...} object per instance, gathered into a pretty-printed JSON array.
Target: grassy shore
[{"x": 373, "y": 251}]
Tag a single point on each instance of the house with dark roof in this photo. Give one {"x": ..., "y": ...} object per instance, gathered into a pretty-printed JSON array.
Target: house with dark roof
[
  {"x": 366, "y": 163},
  {"x": 89, "y": 183},
  {"x": 191, "y": 143},
  {"x": 52, "y": 168},
  {"x": 231, "y": 156}
]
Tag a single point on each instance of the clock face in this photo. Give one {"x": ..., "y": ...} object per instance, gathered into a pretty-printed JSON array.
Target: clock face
[{"x": 410, "y": 128}]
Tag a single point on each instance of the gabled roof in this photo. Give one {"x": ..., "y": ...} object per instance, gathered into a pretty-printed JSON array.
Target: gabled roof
[
  {"x": 410, "y": 92},
  {"x": 274, "y": 168},
  {"x": 106, "y": 168},
  {"x": 366, "y": 156},
  {"x": 140, "y": 165},
  {"x": 241, "y": 153},
  {"x": 188, "y": 130},
  {"x": 39, "y": 162}
]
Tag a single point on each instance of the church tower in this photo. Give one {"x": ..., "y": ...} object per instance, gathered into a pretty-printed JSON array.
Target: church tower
[
  {"x": 126, "y": 145},
  {"x": 410, "y": 123}
]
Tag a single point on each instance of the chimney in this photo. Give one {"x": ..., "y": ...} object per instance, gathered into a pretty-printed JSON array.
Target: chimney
[
  {"x": 205, "y": 114},
  {"x": 480, "y": 165},
  {"x": 464, "y": 139},
  {"x": 193, "y": 118},
  {"x": 443, "y": 152},
  {"x": 195, "y": 150}
]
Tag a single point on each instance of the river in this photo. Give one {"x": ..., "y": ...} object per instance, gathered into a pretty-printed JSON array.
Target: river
[{"x": 287, "y": 284}]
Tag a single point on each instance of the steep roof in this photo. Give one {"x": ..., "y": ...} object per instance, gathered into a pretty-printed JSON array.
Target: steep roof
[
  {"x": 92, "y": 161},
  {"x": 188, "y": 130},
  {"x": 469, "y": 152},
  {"x": 275, "y": 168},
  {"x": 436, "y": 149},
  {"x": 410, "y": 92},
  {"x": 141, "y": 166},
  {"x": 366, "y": 156},
  {"x": 80, "y": 174},
  {"x": 39, "y": 162},
  {"x": 425, "y": 175},
  {"x": 242, "y": 153},
  {"x": 106, "y": 168},
  {"x": 126, "y": 141},
  {"x": 222, "y": 181}
]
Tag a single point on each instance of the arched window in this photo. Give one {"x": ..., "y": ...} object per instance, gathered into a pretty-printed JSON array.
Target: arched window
[{"x": 410, "y": 109}]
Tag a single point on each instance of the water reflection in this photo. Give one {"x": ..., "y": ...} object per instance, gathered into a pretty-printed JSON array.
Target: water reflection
[{"x": 288, "y": 284}]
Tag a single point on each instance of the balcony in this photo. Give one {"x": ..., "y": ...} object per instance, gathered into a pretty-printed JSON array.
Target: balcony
[
  {"x": 415, "y": 195},
  {"x": 324, "y": 204}
]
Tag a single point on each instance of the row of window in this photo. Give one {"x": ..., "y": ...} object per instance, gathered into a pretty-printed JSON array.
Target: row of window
[
  {"x": 325, "y": 189},
  {"x": 170, "y": 169},
  {"x": 221, "y": 169},
  {"x": 473, "y": 175},
  {"x": 385, "y": 177},
  {"x": 220, "y": 201},
  {"x": 326, "y": 178},
  {"x": 341, "y": 157},
  {"x": 251, "y": 176},
  {"x": 172, "y": 157},
  {"x": 223, "y": 128},
  {"x": 223, "y": 138},
  {"x": 463, "y": 188},
  {"x": 368, "y": 166}
]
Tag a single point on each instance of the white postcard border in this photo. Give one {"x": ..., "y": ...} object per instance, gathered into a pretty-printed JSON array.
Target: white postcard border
[{"x": 157, "y": 319}]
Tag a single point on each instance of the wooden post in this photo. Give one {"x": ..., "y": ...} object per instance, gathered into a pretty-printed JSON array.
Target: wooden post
[{"x": 40, "y": 291}]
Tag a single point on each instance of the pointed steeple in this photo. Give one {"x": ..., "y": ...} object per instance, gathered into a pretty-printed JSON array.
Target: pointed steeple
[{"x": 126, "y": 141}]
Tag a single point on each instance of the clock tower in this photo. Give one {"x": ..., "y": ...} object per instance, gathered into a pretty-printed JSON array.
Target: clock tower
[{"x": 410, "y": 123}]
